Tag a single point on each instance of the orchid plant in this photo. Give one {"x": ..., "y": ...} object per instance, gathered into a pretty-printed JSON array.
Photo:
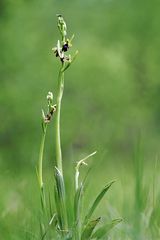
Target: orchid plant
[{"x": 55, "y": 225}]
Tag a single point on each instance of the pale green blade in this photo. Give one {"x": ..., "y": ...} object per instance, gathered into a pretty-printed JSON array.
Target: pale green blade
[
  {"x": 78, "y": 207},
  {"x": 103, "y": 231},
  {"x": 60, "y": 200},
  {"x": 77, "y": 202},
  {"x": 77, "y": 211},
  {"x": 97, "y": 201},
  {"x": 87, "y": 232}
]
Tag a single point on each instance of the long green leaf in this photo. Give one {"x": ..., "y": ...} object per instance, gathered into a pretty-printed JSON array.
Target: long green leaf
[
  {"x": 78, "y": 205},
  {"x": 97, "y": 201},
  {"x": 104, "y": 230},
  {"x": 77, "y": 211},
  {"x": 53, "y": 219},
  {"x": 87, "y": 232},
  {"x": 60, "y": 200},
  {"x": 50, "y": 205},
  {"x": 77, "y": 202}
]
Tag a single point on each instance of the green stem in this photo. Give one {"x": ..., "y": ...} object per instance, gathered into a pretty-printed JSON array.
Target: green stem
[
  {"x": 40, "y": 168},
  {"x": 58, "y": 111},
  {"x": 40, "y": 165},
  {"x": 60, "y": 199}
]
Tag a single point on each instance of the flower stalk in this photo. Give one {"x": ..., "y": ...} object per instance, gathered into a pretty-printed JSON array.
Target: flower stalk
[
  {"x": 59, "y": 51},
  {"x": 40, "y": 164},
  {"x": 45, "y": 121},
  {"x": 58, "y": 163},
  {"x": 60, "y": 191}
]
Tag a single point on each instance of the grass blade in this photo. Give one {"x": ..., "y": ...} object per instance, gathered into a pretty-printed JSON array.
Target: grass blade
[
  {"x": 48, "y": 227},
  {"x": 97, "y": 201},
  {"x": 86, "y": 235},
  {"x": 102, "y": 231},
  {"x": 77, "y": 211},
  {"x": 50, "y": 205},
  {"x": 60, "y": 200},
  {"x": 78, "y": 195}
]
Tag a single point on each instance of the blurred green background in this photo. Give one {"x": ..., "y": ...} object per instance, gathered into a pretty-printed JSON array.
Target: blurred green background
[{"x": 111, "y": 100}]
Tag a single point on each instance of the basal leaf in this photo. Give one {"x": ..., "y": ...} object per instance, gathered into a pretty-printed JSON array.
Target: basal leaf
[
  {"x": 97, "y": 201},
  {"x": 87, "y": 232},
  {"x": 60, "y": 200},
  {"x": 104, "y": 230}
]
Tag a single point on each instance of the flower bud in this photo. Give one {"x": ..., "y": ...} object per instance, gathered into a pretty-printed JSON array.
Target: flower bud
[
  {"x": 62, "y": 26},
  {"x": 50, "y": 96}
]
